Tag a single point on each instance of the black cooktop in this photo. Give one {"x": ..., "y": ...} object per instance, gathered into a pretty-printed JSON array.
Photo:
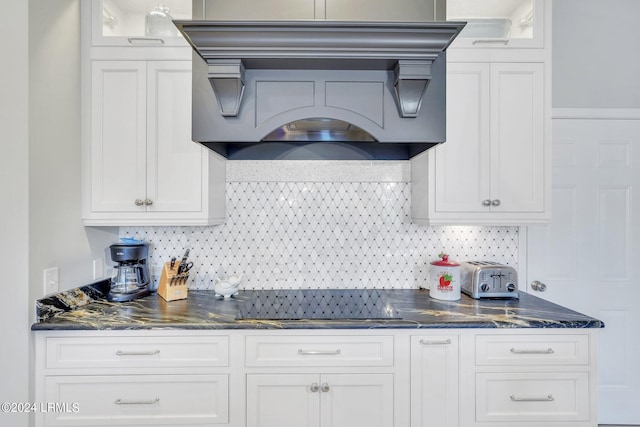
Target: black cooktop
[{"x": 324, "y": 304}]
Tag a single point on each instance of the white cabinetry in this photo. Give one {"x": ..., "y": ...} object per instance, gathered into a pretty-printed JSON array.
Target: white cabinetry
[
  {"x": 319, "y": 378},
  {"x": 495, "y": 166},
  {"x": 144, "y": 167},
  {"x": 434, "y": 380},
  {"x": 492, "y": 24},
  {"x": 492, "y": 167},
  {"x": 327, "y": 400},
  {"x": 351, "y": 10},
  {"x": 543, "y": 380},
  {"x": 309, "y": 391},
  {"x": 123, "y": 23},
  {"x": 126, "y": 379},
  {"x": 140, "y": 166}
]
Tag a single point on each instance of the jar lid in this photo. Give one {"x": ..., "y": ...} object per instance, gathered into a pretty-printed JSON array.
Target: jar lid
[{"x": 444, "y": 261}]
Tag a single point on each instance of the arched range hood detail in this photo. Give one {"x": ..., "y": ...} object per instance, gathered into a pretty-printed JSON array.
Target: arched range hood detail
[{"x": 322, "y": 67}]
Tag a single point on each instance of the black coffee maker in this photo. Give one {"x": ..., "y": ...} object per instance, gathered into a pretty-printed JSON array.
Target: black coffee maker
[{"x": 131, "y": 279}]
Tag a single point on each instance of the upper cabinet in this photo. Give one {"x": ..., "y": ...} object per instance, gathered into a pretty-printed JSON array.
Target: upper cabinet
[
  {"x": 498, "y": 23},
  {"x": 352, "y": 10},
  {"x": 492, "y": 168},
  {"x": 144, "y": 169},
  {"x": 384, "y": 10},
  {"x": 138, "y": 22},
  {"x": 140, "y": 165}
]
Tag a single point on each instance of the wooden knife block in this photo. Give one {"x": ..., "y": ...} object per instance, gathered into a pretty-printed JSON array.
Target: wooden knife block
[{"x": 172, "y": 286}]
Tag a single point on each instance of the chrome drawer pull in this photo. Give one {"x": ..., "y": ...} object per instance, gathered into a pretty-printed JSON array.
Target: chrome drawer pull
[
  {"x": 136, "y": 402},
  {"x": 547, "y": 351},
  {"x": 145, "y": 40},
  {"x": 318, "y": 352},
  {"x": 547, "y": 398},
  {"x": 137, "y": 353},
  {"x": 435, "y": 342},
  {"x": 490, "y": 41}
]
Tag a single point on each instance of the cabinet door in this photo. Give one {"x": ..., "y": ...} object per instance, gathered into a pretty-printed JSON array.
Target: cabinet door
[
  {"x": 118, "y": 135},
  {"x": 384, "y": 10},
  {"x": 462, "y": 163},
  {"x": 498, "y": 24},
  {"x": 348, "y": 400},
  {"x": 517, "y": 137},
  {"x": 283, "y": 400},
  {"x": 174, "y": 165},
  {"x": 124, "y": 22},
  {"x": 434, "y": 381},
  {"x": 252, "y": 10}
]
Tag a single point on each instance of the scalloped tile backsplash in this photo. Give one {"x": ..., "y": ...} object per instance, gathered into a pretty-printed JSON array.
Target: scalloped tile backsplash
[{"x": 319, "y": 225}]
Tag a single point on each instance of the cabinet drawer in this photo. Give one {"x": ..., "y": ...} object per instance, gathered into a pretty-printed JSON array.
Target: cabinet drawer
[
  {"x": 137, "y": 399},
  {"x": 319, "y": 351},
  {"x": 501, "y": 350},
  {"x": 520, "y": 397},
  {"x": 137, "y": 352}
]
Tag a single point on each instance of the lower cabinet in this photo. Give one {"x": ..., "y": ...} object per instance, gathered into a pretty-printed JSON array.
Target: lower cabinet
[
  {"x": 336, "y": 400},
  {"x": 317, "y": 378},
  {"x": 110, "y": 400},
  {"x": 434, "y": 380}
]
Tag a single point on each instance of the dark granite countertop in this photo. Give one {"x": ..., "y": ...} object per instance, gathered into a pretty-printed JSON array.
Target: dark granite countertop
[{"x": 85, "y": 309}]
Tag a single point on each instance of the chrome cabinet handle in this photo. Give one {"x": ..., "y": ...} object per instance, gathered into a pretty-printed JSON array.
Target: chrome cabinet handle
[
  {"x": 139, "y": 202},
  {"x": 545, "y": 351},
  {"x": 538, "y": 286},
  {"x": 547, "y": 398},
  {"x": 435, "y": 342},
  {"x": 318, "y": 352},
  {"x": 148, "y": 202},
  {"x": 314, "y": 387},
  {"x": 486, "y": 202},
  {"x": 144, "y": 40},
  {"x": 136, "y": 402},
  {"x": 137, "y": 353},
  {"x": 495, "y": 202},
  {"x": 491, "y": 41},
  {"x": 325, "y": 387}
]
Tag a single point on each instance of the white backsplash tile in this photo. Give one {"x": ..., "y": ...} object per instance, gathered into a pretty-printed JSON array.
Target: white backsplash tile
[{"x": 316, "y": 224}]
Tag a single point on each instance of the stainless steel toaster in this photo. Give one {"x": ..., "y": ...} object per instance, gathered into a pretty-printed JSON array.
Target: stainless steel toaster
[{"x": 487, "y": 279}]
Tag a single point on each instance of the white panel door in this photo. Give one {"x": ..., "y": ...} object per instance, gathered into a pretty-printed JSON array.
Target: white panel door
[
  {"x": 348, "y": 400},
  {"x": 174, "y": 166},
  {"x": 289, "y": 400},
  {"x": 588, "y": 256},
  {"x": 434, "y": 381},
  {"x": 517, "y": 137},
  {"x": 461, "y": 172},
  {"x": 118, "y": 135}
]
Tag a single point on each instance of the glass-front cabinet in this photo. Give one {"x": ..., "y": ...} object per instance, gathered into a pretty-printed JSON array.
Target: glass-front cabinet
[
  {"x": 138, "y": 22},
  {"x": 498, "y": 23}
]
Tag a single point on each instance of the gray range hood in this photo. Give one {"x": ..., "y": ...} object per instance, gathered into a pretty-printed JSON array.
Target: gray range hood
[{"x": 319, "y": 89}]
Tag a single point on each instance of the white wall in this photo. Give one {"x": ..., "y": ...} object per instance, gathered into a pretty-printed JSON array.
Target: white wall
[
  {"x": 14, "y": 209},
  {"x": 57, "y": 236},
  {"x": 595, "y": 54},
  {"x": 40, "y": 211}
]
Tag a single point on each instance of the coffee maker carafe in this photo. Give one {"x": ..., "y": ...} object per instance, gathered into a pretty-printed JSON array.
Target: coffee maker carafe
[{"x": 131, "y": 278}]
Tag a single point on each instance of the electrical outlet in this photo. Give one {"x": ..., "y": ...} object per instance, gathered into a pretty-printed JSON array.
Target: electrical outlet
[
  {"x": 98, "y": 269},
  {"x": 50, "y": 280}
]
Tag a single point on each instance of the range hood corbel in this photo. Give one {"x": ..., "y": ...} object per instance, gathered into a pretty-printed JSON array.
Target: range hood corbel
[
  {"x": 411, "y": 80},
  {"x": 226, "y": 77}
]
